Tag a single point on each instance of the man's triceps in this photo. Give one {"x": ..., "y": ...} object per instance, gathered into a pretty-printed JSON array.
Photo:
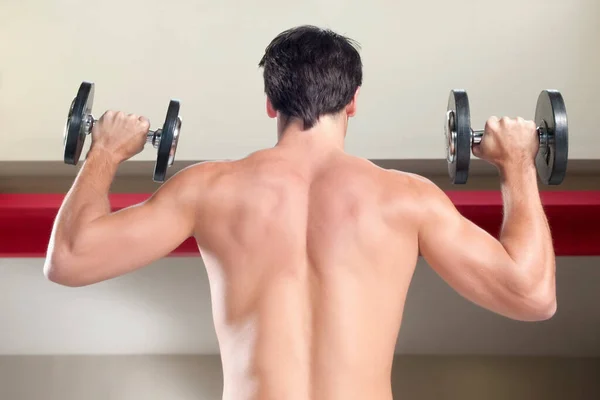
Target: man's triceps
[
  {"x": 123, "y": 241},
  {"x": 468, "y": 258}
]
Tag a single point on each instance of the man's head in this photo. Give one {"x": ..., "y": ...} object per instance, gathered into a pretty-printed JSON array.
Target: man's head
[{"x": 311, "y": 72}]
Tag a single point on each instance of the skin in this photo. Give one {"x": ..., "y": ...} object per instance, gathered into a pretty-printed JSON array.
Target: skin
[{"x": 310, "y": 251}]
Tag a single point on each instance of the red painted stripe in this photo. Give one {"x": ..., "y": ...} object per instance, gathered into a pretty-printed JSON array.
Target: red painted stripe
[{"x": 574, "y": 217}]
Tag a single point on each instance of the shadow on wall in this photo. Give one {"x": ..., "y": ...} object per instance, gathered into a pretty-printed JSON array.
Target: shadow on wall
[
  {"x": 495, "y": 378},
  {"x": 438, "y": 321}
]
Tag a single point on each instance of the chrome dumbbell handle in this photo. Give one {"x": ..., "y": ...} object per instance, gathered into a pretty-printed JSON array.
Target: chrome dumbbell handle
[{"x": 477, "y": 136}]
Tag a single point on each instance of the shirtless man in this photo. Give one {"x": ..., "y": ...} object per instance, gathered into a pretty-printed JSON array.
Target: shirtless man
[{"x": 310, "y": 251}]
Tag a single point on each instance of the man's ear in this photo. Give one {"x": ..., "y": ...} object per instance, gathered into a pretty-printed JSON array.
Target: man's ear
[
  {"x": 351, "y": 108},
  {"x": 271, "y": 111}
]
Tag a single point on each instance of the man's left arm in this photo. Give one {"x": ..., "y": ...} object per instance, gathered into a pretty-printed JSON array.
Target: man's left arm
[{"x": 90, "y": 244}]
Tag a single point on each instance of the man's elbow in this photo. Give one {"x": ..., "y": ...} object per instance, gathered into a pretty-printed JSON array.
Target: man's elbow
[
  {"x": 544, "y": 310},
  {"x": 63, "y": 270},
  {"x": 540, "y": 305}
]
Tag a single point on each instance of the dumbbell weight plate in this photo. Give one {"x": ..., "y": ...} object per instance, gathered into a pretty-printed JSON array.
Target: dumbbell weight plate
[
  {"x": 168, "y": 142},
  {"x": 74, "y": 135},
  {"x": 551, "y": 160},
  {"x": 458, "y": 136}
]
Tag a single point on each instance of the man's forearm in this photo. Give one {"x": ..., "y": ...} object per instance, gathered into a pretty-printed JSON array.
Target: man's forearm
[
  {"x": 87, "y": 199},
  {"x": 525, "y": 231}
]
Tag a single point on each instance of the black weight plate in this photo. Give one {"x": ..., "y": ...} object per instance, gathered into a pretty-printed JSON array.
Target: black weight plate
[
  {"x": 75, "y": 133},
  {"x": 458, "y": 136},
  {"x": 166, "y": 141},
  {"x": 551, "y": 161}
]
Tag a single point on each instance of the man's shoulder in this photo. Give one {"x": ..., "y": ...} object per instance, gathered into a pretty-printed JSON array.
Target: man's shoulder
[
  {"x": 195, "y": 177},
  {"x": 205, "y": 169},
  {"x": 206, "y": 173},
  {"x": 407, "y": 186},
  {"x": 407, "y": 180}
]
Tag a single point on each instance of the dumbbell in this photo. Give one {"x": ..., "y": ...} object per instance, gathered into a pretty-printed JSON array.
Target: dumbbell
[
  {"x": 80, "y": 123},
  {"x": 552, "y": 129}
]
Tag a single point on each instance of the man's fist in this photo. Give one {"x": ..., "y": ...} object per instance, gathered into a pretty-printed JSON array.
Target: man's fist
[
  {"x": 122, "y": 135},
  {"x": 508, "y": 141}
]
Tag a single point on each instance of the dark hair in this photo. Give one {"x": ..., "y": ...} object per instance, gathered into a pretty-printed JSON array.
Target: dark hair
[{"x": 310, "y": 72}]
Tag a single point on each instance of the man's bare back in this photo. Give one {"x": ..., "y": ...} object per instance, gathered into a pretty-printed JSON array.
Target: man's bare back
[
  {"x": 310, "y": 251},
  {"x": 309, "y": 263}
]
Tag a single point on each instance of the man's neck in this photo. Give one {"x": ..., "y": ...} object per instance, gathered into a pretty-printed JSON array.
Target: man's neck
[{"x": 328, "y": 132}]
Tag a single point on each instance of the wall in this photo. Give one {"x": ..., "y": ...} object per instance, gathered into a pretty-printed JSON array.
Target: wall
[
  {"x": 165, "y": 308},
  {"x": 497, "y": 378},
  {"x": 135, "y": 177},
  {"x": 205, "y": 53},
  {"x": 199, "y": 377}
]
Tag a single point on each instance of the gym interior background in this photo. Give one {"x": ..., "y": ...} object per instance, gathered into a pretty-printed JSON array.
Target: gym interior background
[{"x": 149, "y": 334}]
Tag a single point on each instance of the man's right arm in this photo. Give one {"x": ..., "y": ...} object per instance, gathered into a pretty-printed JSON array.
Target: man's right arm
[{"x": 514, "y": 275}]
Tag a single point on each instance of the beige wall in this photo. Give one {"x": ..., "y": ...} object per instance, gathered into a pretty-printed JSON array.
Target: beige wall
[
  {"x": 199, "y": 377},
  {"x": 141, "y": 53}
]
